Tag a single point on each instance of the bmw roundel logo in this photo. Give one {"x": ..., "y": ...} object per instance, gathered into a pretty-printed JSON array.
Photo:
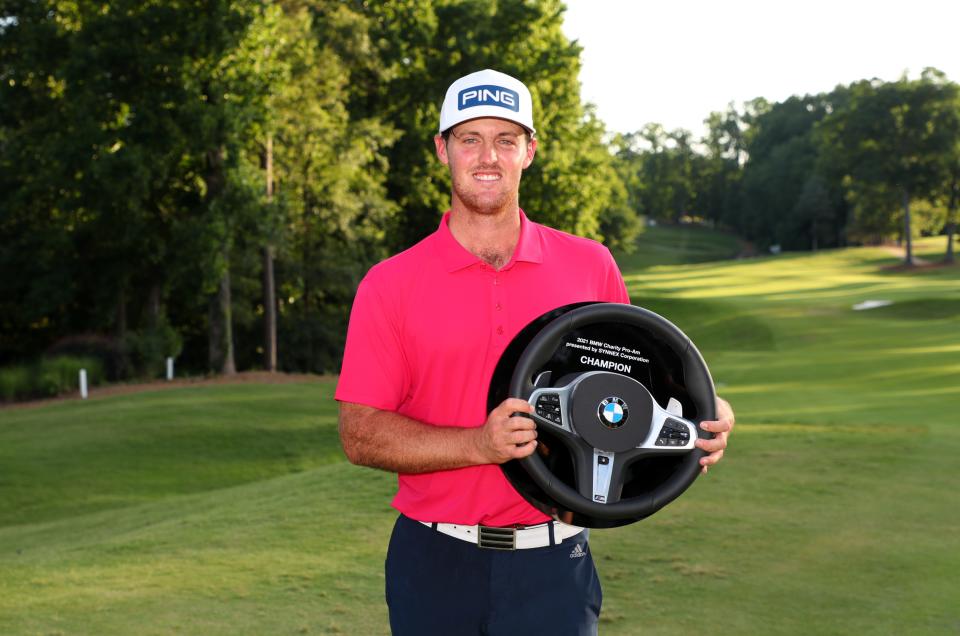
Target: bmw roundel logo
[{"x": 613, "y": 412}]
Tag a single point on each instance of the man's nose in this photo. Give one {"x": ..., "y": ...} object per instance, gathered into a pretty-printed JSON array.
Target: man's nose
[{"x": 488, "y": 153}]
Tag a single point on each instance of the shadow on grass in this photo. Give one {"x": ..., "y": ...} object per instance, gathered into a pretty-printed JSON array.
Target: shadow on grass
[
  {"x": 919, "y": 309},
  {"x": 714, "y": 325}
]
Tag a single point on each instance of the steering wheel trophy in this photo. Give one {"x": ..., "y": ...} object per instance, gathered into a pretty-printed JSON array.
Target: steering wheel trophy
[{"x": 618, "y": 393}]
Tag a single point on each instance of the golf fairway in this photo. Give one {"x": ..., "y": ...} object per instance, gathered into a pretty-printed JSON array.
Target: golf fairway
[{"x": 229, "y": 509}]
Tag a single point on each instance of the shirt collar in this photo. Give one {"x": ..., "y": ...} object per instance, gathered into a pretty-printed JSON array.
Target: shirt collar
[{"x": 456, "y": 256}]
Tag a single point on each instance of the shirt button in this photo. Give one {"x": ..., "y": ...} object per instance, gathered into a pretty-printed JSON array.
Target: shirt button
[
  {"x": 499, "y": 307},
  {"x": 500, "y": 330},
  {"x": 496, "y": 281}
]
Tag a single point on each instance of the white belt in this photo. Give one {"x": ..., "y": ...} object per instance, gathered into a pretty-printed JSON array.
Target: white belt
[{"x": 508, "y": 538}]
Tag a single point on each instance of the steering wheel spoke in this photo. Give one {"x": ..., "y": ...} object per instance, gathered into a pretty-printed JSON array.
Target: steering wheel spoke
[
  {"x": 599, "y": 473},
  {"x": 669, "y": 434},
  {"x": 551, "y": 407}
]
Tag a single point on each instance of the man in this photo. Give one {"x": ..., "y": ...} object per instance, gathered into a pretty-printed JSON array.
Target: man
[{"x": 426, "y": 331}]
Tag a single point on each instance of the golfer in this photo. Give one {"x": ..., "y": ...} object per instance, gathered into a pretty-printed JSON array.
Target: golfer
[{"x": 426, "y": 331}]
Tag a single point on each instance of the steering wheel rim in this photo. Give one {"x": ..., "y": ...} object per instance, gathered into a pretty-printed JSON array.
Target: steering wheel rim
[{"x": 697, "y": 380}]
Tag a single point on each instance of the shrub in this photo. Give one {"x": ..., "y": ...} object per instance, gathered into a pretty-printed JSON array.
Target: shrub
[
  {"x": 14, "y": 381},
  {"x": 108, "y": 350},
  {"x": 148, "y": 349},
  {"x": 48, "y": 377},
  {"x": 62, "y": 374}
]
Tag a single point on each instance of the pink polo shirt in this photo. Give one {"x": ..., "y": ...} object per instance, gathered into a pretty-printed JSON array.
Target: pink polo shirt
[{"x": 426, "y": 331}]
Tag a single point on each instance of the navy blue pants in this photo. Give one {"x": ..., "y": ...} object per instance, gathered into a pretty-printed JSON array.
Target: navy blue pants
[{"x": 441, "y": 585}]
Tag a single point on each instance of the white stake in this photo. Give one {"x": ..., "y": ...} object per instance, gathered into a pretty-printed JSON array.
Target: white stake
[
  {"x": 83, "y": 384},
  {"x": 169, "y": 368}
]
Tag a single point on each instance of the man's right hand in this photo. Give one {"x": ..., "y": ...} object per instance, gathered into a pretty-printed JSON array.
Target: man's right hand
[
  {"x": 394, "y": 442},
  {"x": 506, "y": 434}
]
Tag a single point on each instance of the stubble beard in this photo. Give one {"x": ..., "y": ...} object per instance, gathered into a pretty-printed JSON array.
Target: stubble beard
[{"x": 481, "y": 202}]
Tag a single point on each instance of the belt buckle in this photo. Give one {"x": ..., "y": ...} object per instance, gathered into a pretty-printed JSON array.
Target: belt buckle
[{"x": 497, "y": 538}]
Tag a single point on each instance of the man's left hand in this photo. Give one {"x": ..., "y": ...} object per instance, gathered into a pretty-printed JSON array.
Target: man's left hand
[{"x": 721, "y": 428}]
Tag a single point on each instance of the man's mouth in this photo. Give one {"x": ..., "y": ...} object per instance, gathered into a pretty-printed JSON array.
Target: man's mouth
[{"x": 486, "y": 176}]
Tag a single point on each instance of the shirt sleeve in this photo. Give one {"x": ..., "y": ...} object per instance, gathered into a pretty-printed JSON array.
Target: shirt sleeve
[
  {"x": 374, "y": 371},
  {"x": 614, "y": 287}
]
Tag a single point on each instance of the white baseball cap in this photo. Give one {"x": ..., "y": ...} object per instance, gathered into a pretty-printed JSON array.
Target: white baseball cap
[{"x": 487, "y": 93}]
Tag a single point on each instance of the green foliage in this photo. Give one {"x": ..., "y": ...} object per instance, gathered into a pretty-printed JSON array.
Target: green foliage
[
  {"x": 14, "y": 383},
  {"x": 330, "y": 172},
  {"x": 47, "y": 377},
  {"x": 662, "y": 170},
  {"x": 893, "y": 142},
  {"x": 132, "y": 148},
  {"x": 809, "y": 172},
  {"x": 929, "y": 217},
  {"x": 109, "y": 352},
  {"x": 149, "y": 348},
  {"x": 425, "y": 46},
  {"x": 782, "y": 195},
  {"x": 133, "y": 164}
]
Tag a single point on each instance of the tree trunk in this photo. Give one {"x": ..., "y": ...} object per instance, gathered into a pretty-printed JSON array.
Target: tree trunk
[
  {"x": 221, "y": 316},
  {"x": 269, "y": 285},
  {"x": 951, "y": 230},
  {"x": 153, "y": 306},
  {"x": 306, "y": 268},
  {"x": 221, "y": 329},
  {"x": 269, "y": 312},
  {"x": 908, "y": 244},
  {"x": 952, "y": 220}
]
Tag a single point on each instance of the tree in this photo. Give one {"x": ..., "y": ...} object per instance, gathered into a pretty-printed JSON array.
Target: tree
[
  {"x": 894, "y": 141},
  {"x": 97, "y": 153},
  {"x": 424, "y": 46},
  {"x": 662, "y": 171},
  {"x": 949, "y": 194},
  {"x": 953, "y": 189},
  {"x": 783, "y": 195},
  {"x": 725, "y": 146},
  {"x": 329, "y": 171}
]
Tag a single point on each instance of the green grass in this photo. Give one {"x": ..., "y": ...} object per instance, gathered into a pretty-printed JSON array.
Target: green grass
[
  {"x": 835, "y": 511},
  {"x": 230, "y": 509},
  {"x": 675, "y": 244},
  {"x": 218, "y": 509}
]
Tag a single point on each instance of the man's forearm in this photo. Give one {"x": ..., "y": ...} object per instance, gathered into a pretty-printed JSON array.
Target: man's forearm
[{"x": 393, "y": 442}]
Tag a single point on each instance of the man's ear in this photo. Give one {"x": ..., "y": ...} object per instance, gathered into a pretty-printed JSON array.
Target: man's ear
[
  {"x": 441, "y": 146},
  {"x": 531, "y": 151}
]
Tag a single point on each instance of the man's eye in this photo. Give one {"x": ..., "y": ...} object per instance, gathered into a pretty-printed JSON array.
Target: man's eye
[
  {"x": 508, "y": 143},
  {"x": 470, "y": 140}
]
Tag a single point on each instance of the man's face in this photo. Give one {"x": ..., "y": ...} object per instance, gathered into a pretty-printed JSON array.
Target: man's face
[{"x": 486, "y": 158}]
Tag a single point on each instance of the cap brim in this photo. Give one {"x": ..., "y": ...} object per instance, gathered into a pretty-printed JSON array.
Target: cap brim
[{"x": 529, "y": 130}]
